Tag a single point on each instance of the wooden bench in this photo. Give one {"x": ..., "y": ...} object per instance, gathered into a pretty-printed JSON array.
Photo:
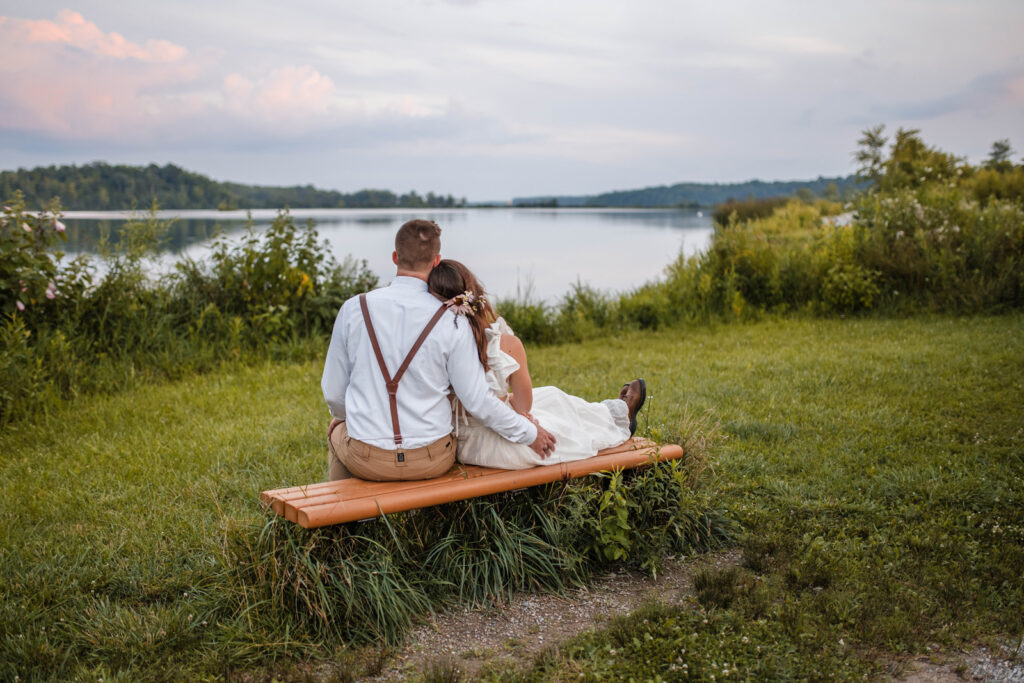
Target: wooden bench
[{"x": 348, "y": 500}]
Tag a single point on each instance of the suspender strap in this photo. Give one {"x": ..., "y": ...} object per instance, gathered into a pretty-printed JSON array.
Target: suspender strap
[{"x": 392, "y": 382}]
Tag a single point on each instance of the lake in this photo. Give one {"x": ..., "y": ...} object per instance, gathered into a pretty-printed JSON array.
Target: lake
[{"x": 539, "y": 253}]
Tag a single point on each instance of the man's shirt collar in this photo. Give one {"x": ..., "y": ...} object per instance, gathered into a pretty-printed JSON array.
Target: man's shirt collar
[{"x": 409, "y": 282}]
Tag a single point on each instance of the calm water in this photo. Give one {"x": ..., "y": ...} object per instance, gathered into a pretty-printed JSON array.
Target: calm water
[{"x": 540, "y": 252}]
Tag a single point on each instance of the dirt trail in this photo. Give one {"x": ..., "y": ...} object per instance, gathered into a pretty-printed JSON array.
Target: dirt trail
[{"x": 512, "y": 634}]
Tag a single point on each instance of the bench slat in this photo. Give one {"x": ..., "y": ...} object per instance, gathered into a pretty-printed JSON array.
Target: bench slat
[
  {"x": 348, "y": 500},
  {"x": 357, "y": 488}
]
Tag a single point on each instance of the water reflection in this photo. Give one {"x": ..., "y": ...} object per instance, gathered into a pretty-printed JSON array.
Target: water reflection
[{"x": 544, "y": 251}]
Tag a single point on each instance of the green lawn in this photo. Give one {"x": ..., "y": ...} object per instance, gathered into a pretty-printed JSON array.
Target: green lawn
[{"x": 876, "y": 465}]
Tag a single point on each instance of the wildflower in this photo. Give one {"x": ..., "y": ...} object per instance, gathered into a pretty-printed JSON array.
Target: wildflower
[
  {"x": 899, "y": 234},
  {"x": 466, "y": 303},
  {"x": 21, "y": 306},
  {"x": 27, "y": 227},
  {"x": 60, "y": 226},
  {"x": 51, "y": 291}
]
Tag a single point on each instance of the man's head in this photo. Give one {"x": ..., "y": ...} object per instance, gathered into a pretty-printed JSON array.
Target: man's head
[{"x": 417, "y": 246}]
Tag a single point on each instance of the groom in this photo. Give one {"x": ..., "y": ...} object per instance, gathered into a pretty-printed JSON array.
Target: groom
[{"x": 394, "y": 353}]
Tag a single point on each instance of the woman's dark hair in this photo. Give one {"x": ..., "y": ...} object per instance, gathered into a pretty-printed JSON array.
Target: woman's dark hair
[{"x": 449, "y": 279}]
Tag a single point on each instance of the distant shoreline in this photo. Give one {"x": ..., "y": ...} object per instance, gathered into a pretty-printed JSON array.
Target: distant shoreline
[
  {"x": 104, "y": 187},
  {"x": 311, "y": 212}
]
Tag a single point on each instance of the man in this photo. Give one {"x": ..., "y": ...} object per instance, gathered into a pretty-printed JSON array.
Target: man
[{"x": 394, "y": 353}]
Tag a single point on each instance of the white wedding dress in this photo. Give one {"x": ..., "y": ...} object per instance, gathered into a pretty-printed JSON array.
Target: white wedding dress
[{"x": 580, "y": 428}]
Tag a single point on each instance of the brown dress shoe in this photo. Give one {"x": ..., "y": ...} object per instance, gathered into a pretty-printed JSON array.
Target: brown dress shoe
[{"x": 634, "y": 394}]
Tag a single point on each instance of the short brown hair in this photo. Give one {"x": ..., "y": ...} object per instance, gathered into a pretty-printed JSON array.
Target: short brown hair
[{"x": 417, "y": 243}]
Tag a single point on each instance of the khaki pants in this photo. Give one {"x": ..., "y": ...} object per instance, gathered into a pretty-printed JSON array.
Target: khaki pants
[{"x": 350, "y": 457}]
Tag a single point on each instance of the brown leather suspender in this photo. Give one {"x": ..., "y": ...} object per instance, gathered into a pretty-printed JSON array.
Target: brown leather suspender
[{"x": 392, "y": 382}]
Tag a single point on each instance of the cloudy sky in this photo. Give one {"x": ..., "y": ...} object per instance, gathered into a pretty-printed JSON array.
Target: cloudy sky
[{"x": 491, "y": 99}]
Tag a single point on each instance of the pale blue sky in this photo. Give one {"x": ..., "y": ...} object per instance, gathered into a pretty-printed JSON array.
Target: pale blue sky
[{"x": 493, "y": 99}]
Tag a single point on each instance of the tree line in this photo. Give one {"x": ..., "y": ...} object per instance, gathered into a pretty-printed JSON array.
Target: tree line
[
  {"x": 99, "y": 186},
  {"x": 703, "y": 194}
]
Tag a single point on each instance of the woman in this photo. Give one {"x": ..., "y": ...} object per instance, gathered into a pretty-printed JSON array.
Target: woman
[{"x": 580, "y": 428}]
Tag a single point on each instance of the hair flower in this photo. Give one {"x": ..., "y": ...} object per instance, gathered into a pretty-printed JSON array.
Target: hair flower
[{"x": 466, "y": 304}]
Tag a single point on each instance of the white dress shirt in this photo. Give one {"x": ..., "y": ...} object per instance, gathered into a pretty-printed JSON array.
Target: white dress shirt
[{"x": 354, "y": 386}]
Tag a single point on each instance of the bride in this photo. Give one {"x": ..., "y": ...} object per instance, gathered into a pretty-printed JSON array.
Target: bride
[{"x": 580, "y": 428}]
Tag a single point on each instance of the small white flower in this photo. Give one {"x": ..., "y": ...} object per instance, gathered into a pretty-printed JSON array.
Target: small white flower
[
  {"x": 60, "y": 226},
  {"x": 27, "y": 227}
]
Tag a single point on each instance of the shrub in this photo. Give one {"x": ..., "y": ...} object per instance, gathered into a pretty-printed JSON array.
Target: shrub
[
  {"x": 29, "y": 273},
  {"x": 69, "y": 332},
  {"x": 741, "y": 211},
  {"x": 532, "y": 321}
]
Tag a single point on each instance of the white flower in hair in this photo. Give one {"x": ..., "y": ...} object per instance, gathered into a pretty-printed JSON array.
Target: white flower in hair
[{"x": 466, "y": 304}]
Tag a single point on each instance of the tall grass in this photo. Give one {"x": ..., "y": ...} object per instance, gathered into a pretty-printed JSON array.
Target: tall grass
[
  {"x": 370, "y": 581},
  {"x": 74, "y": 331}
]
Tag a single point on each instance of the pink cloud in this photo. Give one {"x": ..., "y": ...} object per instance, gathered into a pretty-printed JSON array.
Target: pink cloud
[
  {"x": 1016, "y": 88},
  {"x": 72, "y": 29},
  {"x": 286, "y": 93},
  {"x": 70, "y": 79}
]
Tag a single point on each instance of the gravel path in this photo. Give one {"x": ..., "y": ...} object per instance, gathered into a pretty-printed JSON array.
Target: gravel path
[
  {"x": 512, "y": 634},
  {"x": 981, "y": 664}
]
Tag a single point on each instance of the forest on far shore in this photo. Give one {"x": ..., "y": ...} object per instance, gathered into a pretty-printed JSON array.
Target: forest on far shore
[{"x": 101, "y": 186}]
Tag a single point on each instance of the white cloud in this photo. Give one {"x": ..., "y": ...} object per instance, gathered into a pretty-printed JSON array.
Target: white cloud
[{"x": 534, "y": 92}]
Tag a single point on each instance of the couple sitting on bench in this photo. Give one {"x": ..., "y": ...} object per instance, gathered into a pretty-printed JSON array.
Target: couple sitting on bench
[{"x": 435, "y": 328}]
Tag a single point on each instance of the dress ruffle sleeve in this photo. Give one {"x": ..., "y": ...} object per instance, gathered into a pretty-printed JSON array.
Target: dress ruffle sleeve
[{"x": 500, "y": 364}]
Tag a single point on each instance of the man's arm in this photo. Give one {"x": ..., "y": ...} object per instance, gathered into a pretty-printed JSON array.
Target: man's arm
[
  {"x": 336, "y": 369},
  {"x": 467, "y": 377}
]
